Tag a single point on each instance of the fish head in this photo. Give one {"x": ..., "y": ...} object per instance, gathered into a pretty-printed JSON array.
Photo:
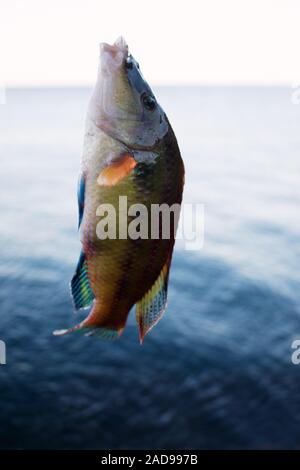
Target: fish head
[{"x": 123, "y": 104}]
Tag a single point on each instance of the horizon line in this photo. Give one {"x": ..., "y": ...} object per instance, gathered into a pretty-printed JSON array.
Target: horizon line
[{"x": 163, "y": 85}]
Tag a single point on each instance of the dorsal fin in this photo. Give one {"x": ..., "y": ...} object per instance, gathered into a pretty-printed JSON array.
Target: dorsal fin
[{"x": 152, "y": 306}]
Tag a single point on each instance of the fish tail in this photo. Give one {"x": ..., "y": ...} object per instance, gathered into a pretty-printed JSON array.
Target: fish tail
[{"x": 94, "y": 325}]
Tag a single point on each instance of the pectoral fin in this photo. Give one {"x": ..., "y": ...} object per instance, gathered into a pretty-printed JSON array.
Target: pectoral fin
[
  {"x": 117, "y": 170},
  {"x": 152, "y": 306}
]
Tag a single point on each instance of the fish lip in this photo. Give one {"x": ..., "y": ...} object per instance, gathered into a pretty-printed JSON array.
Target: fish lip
[
  {"x": 111, "y": 49},
  {"x": 120, "y": 45},
  {"x": 113, "y": 56}
]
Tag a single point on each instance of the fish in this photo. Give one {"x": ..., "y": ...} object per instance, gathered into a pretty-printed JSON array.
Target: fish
[{"x": 130, "y": 151}]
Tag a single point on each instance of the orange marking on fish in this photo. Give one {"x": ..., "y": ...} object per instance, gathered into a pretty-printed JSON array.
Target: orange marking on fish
[{"x": 117, "y": 170}]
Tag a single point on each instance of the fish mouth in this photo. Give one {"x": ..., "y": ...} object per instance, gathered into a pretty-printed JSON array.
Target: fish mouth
[
  {"x": 116, "y": 106},
  {"x": 113, "y": 56}
]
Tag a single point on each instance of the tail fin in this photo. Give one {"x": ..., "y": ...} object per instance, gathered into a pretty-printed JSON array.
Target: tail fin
[
  {"x": 97, "y": 331},
  {"x": 93, "y": 325}
]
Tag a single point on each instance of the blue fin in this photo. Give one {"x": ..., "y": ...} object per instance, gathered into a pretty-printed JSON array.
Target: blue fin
[
  {"x": 80, "y": 197},
  {"x": 81, "y": 290},
  {"x": 152, "y": 306}
]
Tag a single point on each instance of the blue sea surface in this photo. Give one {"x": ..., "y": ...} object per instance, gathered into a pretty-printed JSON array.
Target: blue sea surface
[{"x": 216, "y": 372}]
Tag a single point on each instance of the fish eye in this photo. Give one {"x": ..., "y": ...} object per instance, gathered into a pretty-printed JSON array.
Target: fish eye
[
  {"x": 129, "y": 63},
  {"x": 149, "y": 102}
]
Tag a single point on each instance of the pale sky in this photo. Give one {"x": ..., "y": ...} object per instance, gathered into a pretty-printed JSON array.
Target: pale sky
[{"x": 187, "y": 42}]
